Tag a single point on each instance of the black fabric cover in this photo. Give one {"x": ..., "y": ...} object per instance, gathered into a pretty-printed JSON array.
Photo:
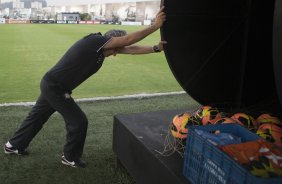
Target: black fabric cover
[
  {"x": 221, "y": 52},
  {"x": 277, "y": 47}
]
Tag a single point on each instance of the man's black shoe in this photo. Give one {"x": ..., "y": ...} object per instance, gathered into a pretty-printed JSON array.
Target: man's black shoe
[
  {"x": 12, "y": 150},
  {"x": 76, "y": 163}
]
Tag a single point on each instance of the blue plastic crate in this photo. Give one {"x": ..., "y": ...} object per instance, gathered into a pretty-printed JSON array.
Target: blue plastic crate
[{"x": 204, "y": 163}]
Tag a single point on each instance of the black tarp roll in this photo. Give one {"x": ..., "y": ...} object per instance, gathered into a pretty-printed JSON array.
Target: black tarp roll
[
  {"x": 221, "y": 52},
  {"x": 277, "y": 47}
]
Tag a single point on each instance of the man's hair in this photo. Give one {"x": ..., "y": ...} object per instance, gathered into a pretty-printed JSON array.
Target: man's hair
[{"x": 115, "y": 33}]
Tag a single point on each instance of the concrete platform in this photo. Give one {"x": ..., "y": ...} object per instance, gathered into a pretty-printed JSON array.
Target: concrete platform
[{"x": 136, "y": 137}]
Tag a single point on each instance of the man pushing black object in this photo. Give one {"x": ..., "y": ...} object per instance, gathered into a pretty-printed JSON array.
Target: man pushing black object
[{"x": 81, "y": 61}]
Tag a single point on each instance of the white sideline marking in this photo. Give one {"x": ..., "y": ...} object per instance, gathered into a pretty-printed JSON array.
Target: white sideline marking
[{"x": 141, "y": 95}]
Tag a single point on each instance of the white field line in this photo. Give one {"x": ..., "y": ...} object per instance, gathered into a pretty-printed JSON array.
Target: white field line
[{"x": 141, "y": 95}]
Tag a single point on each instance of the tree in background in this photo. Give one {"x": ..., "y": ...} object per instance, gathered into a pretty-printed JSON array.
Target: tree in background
[{"x": 85, "y": 16}]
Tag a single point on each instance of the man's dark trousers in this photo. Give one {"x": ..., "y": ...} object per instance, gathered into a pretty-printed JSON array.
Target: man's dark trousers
[{"x": 54, "y": 98}]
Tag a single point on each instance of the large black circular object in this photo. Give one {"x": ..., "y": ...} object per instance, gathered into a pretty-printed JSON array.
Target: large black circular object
[{"x": 226, "y": 52}]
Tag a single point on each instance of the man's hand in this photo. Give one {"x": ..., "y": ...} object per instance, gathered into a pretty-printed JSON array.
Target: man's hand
[
  {"x": 161, "y": 45},
  {"x": 160, "y": 18},
  {"x": 134, "y": 37}
]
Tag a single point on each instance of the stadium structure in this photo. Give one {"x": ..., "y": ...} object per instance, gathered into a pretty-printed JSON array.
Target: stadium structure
[{"x": 99, "y": 10}]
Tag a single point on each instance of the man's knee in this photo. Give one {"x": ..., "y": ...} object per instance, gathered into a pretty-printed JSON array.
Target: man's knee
[
  {"x": 84, "y": 121},
  {"x": 81, "y": 122}
]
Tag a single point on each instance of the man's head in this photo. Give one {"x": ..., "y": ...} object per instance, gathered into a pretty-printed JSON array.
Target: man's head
[
  {"x": 110, "y": 34},
  {"x": 115, "y": 33}
]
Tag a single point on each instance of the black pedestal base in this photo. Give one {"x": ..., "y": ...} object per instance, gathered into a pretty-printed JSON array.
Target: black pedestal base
[{"x": 136, "y": 137}]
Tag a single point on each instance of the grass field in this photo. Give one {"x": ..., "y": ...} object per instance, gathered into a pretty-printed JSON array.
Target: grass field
[
  {"x": 28, "y": 51},
  {"x": 43, "y": 165}
]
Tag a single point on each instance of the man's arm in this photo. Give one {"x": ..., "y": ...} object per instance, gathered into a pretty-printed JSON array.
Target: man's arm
[
  {"x": 135, "y": 49},
  {"x": 123, "y": 41},
  {"x": 138, "y": 49}
]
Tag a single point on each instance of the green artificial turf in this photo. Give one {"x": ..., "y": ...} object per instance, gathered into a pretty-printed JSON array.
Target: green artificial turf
[
  {"x": 43, "y": 165},
  {"x": 28, "y": 51}
]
